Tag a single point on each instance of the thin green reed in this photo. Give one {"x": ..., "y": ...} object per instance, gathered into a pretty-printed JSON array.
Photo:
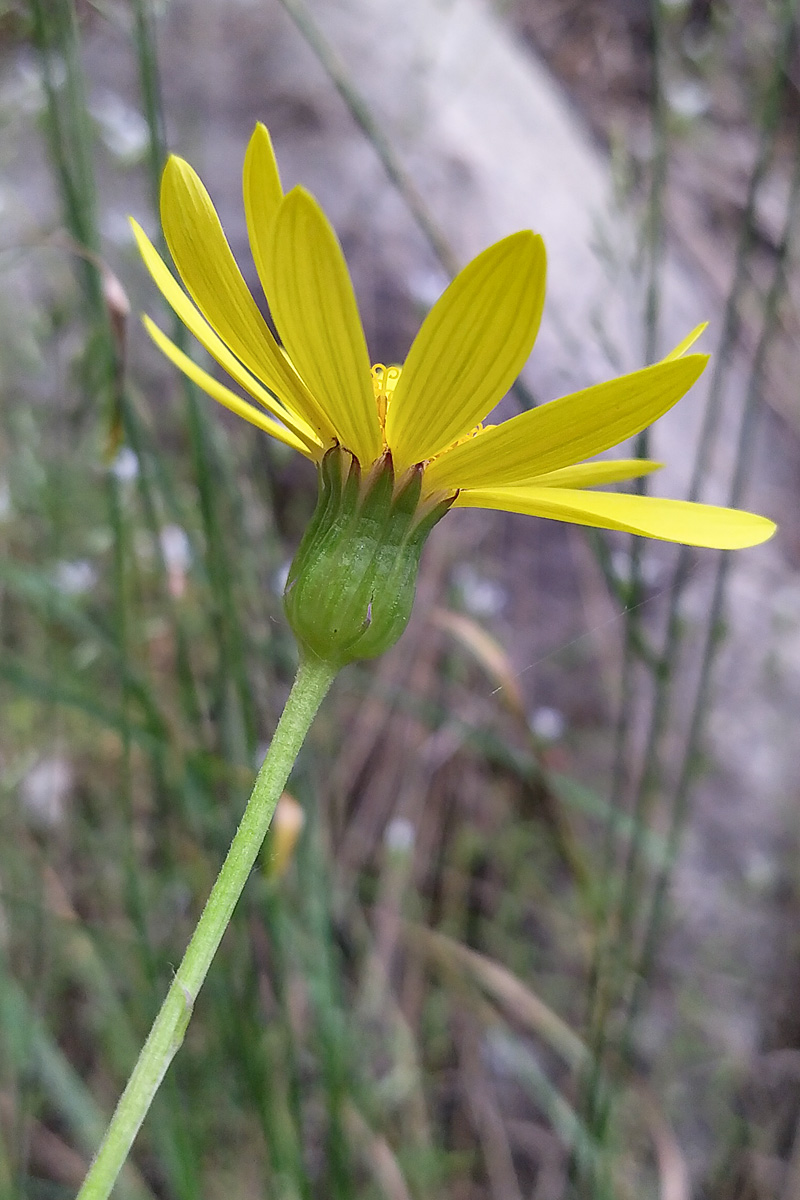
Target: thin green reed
[
  {"x": 232, "y": 701},
  {"x": 70, "y": 142},
  {"x": 71, "y": 148},
  {"x": 67, "y": 130},
  {"x": 211, "y": 462},
  {"x": 7, "y": 1189},
  {"x": 269, "y": 1054},
  {"x": 655, "y": 917},
  {"x": 722, "y": 366},
  {"x": 652, "y": 252},
  {"x": 283, "y": 1159},
  {"x": 604, "y": 979},
  {"x": 360, "y": 111},
  {"x": 142, "y": 444},
  {"x": 629, "y": 904},
  {"x": 324, "y": 977},
  {"x": 31, "y": 1052},
  {"x": 150, "y": 89},
  {"x": 121, "y": 627},
  {"x": 152, "y": 482},
  {"x": 283, "y": 934},
  {"x": 208, "y": 460},
  {"x": 770, "y": 330},
  {"x": 653, "y": 245},
  {"x": 233, "y": 698},
  {"x": 69, "y": 138}
]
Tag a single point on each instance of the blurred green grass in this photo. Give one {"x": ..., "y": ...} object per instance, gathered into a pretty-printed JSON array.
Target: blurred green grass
[{"x": 439, "y": 1010}]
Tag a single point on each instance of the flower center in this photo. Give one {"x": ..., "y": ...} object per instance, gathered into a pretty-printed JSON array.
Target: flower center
[
  {"x": 466, "y": 437},
  {"x": 384, "y": 381}
]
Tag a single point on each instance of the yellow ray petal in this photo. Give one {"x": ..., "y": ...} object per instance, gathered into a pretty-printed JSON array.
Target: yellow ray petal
[
  {"x": 687, "y": 343},
  {"x": 220, "y": 393},
  {"x": 315, "y": 310},
  {"x": 472, "y": 346},
  {"x": 565, "y": 431},
  {"x": 197, "y": 324},
  {"x": 207, "y": 267},
  {"x": 667, "y": 520},
  {"x": 591, "y": 474},
  {"x": 262, "y": 192}
]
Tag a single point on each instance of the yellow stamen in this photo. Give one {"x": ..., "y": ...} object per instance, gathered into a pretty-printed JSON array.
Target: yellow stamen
[
  {"x": 479, "y": 428},
  {"x": 384, "y": 381}
]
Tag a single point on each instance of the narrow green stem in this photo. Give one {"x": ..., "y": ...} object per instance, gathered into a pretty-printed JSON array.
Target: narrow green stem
[{"x": 313, "y": 680}]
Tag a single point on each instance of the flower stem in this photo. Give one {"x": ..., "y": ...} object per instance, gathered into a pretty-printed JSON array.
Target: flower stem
[{"x": 314, "y": 677}]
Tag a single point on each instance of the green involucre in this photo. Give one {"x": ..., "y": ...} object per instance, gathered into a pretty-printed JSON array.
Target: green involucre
[{"x": 351, "y": 586}]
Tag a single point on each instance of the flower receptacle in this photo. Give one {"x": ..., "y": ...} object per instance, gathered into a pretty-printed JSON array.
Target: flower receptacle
[{"x": 351, "y": 586}]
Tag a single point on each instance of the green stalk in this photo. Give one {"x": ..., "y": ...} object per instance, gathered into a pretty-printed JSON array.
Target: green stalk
[
  {"x": 770, "y": 328},
  {"x": 314, "y": 677},
  {"x": 608, "y": 959}
]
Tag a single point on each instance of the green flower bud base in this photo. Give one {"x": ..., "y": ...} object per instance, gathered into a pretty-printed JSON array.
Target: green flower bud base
[{"x": 351, "y": 586}]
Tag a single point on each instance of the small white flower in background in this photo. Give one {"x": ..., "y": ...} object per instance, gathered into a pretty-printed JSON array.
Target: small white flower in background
[
  {"x": 547, "y": 724},
  {"x": 279, "y": 577},
  {"x": 122, "y": 127},
  {"x": 125, "y": 466},
  {"x": 75, "y": 578},
  {"x": 651, "y": 569},
  {"x": 5, "y": 927},
  {"x": 688, "y": 98},
  {"x": 6, "y": 506},
  {"x": 23, "y": 90},
  {"x": 177, "y": 553},
  {"x": 45, "y": 790},
  {"x": 481, "y": 597},
  {"x": 400, "y": 836}
]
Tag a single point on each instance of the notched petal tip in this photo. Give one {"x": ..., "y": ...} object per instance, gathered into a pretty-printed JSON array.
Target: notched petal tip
[{"x": 680, "y": 350}]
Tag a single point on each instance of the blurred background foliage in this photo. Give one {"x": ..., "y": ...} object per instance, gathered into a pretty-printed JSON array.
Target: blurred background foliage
[{"x": 456, "y": 973}]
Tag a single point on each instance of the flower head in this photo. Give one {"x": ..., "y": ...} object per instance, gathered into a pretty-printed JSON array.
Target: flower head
[{"x": 317, "y": 391}]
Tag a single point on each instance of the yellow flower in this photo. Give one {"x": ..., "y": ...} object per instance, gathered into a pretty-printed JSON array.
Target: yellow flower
[{"x": 318, "y": 390}]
